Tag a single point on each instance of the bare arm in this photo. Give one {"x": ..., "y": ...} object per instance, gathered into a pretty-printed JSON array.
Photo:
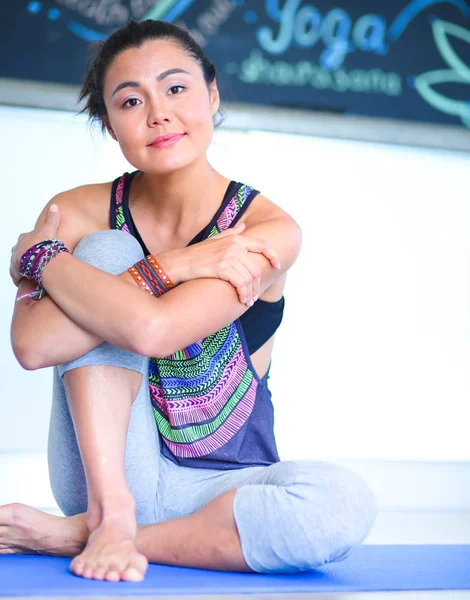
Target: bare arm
[
  {"x": 160, "y": 326},
  {"x": 43, "y": 335}
]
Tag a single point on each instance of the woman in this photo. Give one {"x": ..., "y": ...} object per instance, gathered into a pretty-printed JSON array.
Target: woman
[{"x": 169, "y": 460}]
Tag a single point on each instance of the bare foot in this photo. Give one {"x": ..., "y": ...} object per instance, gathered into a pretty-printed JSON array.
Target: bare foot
[
  {"x": 26, "y": 530},
  {"x": 111, "y": 553}
]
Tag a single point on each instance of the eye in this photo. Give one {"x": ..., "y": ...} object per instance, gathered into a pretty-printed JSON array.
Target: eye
[
  {"x": 175, "y": 87},
  {"x": 130, "y": 100}
]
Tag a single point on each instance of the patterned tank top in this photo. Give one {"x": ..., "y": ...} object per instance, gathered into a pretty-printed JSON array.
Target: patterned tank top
[{"x": 211, "y": 408}]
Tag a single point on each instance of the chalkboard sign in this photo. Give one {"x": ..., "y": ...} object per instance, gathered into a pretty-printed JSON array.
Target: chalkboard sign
[{"x": 398, "y": 59}]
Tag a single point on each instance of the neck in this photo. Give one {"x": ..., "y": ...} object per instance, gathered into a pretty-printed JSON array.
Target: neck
[{"x": 184, "y": 200}]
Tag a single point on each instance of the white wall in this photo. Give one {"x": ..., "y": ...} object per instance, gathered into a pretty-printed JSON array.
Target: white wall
[{"x": 371, "y": 362}]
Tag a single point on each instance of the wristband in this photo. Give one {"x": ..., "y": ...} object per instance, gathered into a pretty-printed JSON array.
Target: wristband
[
  {"x": 165, "y": 281},
  {"x": 33, "y": 262},
  {"x": 142, "y": 273},
  {"x": 149, "y": 275}
]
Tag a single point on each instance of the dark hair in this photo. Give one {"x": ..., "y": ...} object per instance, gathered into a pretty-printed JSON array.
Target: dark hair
[{"x": 133, "y": 35}]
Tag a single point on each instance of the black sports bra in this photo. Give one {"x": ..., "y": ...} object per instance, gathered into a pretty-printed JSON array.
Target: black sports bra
[{"x": 261, "y": 320}]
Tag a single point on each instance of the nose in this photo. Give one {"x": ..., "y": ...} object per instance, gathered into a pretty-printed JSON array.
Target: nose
[{"x": 159, "y": 112}]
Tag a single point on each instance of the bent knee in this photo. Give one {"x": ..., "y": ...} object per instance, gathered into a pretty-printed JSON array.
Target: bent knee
[
  {"x": 334, "y": 511},
  {"x": 110, "y": 250},
  {"x": 349, "y": 511}
]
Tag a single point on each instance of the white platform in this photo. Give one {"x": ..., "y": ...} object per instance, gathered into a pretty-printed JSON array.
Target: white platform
[{"x": 398, "y": 486}]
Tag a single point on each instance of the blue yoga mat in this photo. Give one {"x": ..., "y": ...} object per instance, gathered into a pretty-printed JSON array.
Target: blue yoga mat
[{"x": 369, "y": 568}]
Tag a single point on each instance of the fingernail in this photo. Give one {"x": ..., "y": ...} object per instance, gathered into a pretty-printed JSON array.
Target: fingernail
[
  {"x": 54, "y": 207},
  {"x": 244, "y": 301}
]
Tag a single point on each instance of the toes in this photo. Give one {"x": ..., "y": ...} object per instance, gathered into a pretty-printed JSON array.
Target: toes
[
  {"x": 77, "y": 567},
  {"x": 100, "y": 572},
  {"x": 12, "y": 514},
  {"x": 136, "y": 569},
  {"x": 88, "y": 572},
  {"x": 113, "y": 575},
  {"x": 132, "y": 574}
]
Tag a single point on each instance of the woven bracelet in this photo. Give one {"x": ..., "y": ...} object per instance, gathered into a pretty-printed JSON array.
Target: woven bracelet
[{"x": 34, "y": 260}]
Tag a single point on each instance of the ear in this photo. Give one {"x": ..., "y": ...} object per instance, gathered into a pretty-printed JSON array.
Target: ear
[
  {"x": 109, "y": 128},
  {"x": 214, "y": 97}
]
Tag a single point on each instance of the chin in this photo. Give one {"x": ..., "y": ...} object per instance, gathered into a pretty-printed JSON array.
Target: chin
[
  {"x": 165, "y": 162},
  {"x": 170, "y": 164},
  {"x": 168, "y": 168}
]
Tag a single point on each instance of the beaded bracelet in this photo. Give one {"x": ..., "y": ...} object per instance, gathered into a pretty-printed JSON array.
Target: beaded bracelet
[
  {"x": 143, "y": 277},
  {"x": 160, "y": 273},
  {"x": 34, "y": 260},
  {"x": 149, "y": 275}
]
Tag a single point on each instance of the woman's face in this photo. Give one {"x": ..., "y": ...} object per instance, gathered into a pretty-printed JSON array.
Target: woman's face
[{"x": 153, "y": 91}]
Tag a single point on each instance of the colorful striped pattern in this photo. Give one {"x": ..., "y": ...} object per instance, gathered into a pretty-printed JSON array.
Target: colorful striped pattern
[
  {"x": 203, "y": 394},
  {"x": 120, "y": 220}
]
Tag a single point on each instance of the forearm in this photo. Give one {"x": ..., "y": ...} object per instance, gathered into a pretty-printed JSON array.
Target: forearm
[
  {"x": 112, "y": 308},
  {"x": 42, "y": 335}
]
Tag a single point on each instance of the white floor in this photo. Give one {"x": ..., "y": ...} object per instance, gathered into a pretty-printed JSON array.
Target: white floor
[{"x": 413, "y": 527}]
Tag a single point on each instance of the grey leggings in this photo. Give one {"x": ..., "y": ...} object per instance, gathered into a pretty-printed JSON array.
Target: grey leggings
[{"x": 291, "y": 516}]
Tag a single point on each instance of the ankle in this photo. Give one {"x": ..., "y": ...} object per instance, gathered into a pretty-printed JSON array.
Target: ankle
[{"x": 119, "y": 507}]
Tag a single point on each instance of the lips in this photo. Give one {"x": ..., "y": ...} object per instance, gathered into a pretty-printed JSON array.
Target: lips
[{"x": 167, "y": 139}]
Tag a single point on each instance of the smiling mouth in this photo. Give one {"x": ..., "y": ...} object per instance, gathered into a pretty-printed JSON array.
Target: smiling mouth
[{"x": 167, "y": 140}]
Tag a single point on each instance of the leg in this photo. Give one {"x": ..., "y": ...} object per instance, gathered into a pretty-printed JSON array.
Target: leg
[
  {"x": 289, "y": 517},
  {"x": 67, "y": 476},
  {"x": 100, "y": 399},
  {"x": 66, "y": 473},
  {"x": 315, "y": 513},
  {"x": 23, "y": 529},
  {"x": 102, "y": 419},
  {"x": 207, "y": 540}
]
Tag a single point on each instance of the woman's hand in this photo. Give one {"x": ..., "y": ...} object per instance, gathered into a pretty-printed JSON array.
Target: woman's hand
[
  {"x": 48, "y": 230},
  {"x": 223, "y": 256}
]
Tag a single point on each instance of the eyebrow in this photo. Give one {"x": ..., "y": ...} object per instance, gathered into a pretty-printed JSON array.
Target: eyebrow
[{"x": 160, "y": 77}]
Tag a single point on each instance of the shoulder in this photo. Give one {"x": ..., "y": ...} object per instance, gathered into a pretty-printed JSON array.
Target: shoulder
[
  {"x": 87, "y": 200},
  {"x": 83, "y": 210},
  {"x": 263, "y": 209},
  {"x": 269, "y": 221}
]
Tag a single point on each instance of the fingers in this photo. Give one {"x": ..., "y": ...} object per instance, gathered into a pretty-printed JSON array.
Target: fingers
[
  {"x": 239, "y": 228},
  {"x": 250, "y": 298},
  {"x": 261, "y": 247},
  {"x": 246, "y": 278},
  {"x": 15, "y": 277},
  {"x": 254, "y": 271},
  {"x": 233, "y": 274},
  {"x": 53, "y": 217},
  {"x": 240, "y": 281},
  {"x": 47, "y": 230},
  {"x": 235, "y": 265},
  {"x": 15, "y": 274}
]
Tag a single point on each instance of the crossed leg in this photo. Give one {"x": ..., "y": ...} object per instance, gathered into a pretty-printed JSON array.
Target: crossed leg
[
  {"x": 104, "y": 461},
  {"x": 207, "y": 539},
  {"x": 100, "y": 399},
  {"x": 93, "y": 468}
]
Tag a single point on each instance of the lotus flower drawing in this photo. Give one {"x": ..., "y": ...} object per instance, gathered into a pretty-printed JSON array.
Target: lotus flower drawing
[{"x": 459, "y": 72}]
